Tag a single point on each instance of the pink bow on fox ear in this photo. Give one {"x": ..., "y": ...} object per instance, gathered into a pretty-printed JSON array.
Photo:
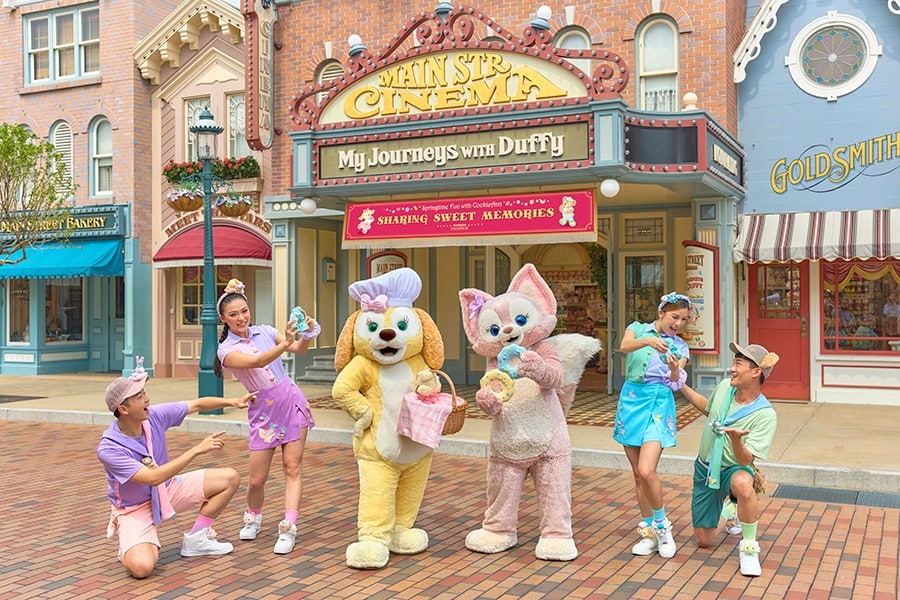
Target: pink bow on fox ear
[
  {"x": 377, "y": 304},
  {"x": 475, "y": 306}
]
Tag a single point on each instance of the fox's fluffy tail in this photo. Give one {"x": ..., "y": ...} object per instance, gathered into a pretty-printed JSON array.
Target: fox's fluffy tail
[{"x": 574, "y": 350}]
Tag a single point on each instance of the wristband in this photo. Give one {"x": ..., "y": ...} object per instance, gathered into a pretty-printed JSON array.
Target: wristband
[{"x": 311, "y": 333}]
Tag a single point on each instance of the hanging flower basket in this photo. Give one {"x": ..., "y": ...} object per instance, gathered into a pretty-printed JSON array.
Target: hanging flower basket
[
  {"x": 185, "y": 199},
  {"x": 234, "y": 204}
]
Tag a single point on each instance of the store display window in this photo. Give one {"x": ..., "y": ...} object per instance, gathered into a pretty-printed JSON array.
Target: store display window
[
  {"x": 861, "y": 306},
  {"x": 64, "y": 310},
  {"x": 19, "y": 328}
]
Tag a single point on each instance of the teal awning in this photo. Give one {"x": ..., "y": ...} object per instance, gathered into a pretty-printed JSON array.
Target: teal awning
[{"x": 73, "y": 258}]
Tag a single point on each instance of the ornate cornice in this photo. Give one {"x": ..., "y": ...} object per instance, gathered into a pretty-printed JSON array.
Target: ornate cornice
[
  {"x": 763, "y": 22},
  {"x": 183, "y": 26}
]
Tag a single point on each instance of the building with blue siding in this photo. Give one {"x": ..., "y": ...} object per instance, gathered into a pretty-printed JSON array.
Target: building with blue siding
[{"x": 818, "y": 240}]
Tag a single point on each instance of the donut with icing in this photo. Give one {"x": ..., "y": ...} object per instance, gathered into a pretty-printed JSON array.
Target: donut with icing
[
  {"x": 508, "y": 352},
  {"x": 506, "y": 386}
]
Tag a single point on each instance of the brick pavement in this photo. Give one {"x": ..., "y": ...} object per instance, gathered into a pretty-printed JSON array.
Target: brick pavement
[{"x": 54, "y": 518}]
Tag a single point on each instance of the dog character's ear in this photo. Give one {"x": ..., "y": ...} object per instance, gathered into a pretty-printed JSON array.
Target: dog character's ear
[
  {"x": 344, "y": 350},
  {"x": 432, "y": 343}
]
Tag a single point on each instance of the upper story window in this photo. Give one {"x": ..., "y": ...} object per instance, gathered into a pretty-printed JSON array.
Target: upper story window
[
  {"x": 328, "y": 71},
  {"x": 237, "y": 139},
  {"x": 101, "y": 157},
  {"x": 193, "y": 108},
  {"x": 833, "y": 55},
  {"x": 575, "y": 38},
  {"x": 63, "y": 44},
  {"x": 61, "y": 138},
  {"x": 657, "y": 58}
]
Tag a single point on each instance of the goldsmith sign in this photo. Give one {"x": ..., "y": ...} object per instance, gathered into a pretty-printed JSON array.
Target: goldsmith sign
[
  {"x": 459, "y": 151},
  {"x": 519, "y": 218},
  {"x": 452, "y": 80}
]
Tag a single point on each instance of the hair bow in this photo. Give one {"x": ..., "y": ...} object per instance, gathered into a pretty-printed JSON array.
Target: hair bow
[
  {"x": 672, "y": 298},
  {"x": 377, "y": 304},
  {"x": 475, "y": 306}
]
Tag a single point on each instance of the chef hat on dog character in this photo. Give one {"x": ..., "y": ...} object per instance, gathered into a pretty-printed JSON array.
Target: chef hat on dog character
[{"x": 399, "y": 287}]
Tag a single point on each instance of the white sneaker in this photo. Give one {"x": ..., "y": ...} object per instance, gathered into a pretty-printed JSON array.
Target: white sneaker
[
  {"x": 287, "y": 531},
  {"x": 648, "y": 543},
  {"x": 203, "y": 543},
  {"x": 749, "y": 553},
  {"x": 733, "y": 527},
  {"x": 664, "y": 539},
  {"x": 729, "y": 513},
  {"x": 251, "y": 526}
]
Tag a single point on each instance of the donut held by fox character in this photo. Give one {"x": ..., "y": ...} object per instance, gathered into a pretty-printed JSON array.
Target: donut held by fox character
[{"x": 529, "y": 435}]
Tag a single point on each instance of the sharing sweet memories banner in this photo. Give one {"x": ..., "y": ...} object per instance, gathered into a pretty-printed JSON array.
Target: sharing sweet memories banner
[{"x": 552, "y": 217}]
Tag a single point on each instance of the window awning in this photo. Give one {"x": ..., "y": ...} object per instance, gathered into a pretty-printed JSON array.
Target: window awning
[
  {"x": 232, "y": 245},
  {"x": 832, "y": 235},
  {"x": 76, "y": 257}
]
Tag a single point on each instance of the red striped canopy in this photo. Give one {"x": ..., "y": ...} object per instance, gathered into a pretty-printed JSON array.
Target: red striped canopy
[{"x": 832, "y": 235}]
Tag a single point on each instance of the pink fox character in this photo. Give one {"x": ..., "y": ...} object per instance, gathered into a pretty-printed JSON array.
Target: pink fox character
[
  {"x": 365, "y": 220},
  {"x": 528, "y": 431}
]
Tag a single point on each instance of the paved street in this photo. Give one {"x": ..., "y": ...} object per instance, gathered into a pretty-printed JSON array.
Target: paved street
[{"x": 54, "y": 546}]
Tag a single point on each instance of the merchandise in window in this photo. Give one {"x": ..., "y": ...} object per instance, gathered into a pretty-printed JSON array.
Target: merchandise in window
[
  {"x": 64, "y": 310},
  {"x": 861, "y": 306},
  {"x": 18, "y": 301}
]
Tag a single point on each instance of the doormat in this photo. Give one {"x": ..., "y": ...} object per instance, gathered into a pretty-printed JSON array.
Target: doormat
[
  {"x": 591, "y": 408},
  {"x": 4, "y": 399}
]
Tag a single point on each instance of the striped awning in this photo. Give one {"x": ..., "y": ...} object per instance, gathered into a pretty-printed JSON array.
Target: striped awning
[{"x": 832, "y": 235}]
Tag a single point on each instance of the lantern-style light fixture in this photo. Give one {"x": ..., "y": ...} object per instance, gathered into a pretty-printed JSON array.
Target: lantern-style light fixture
[{"x": 206, "y": 132}]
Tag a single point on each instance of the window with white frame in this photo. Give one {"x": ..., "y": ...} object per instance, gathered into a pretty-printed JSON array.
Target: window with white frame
[
  {"x": 575, "y": 38},
  {"x": 833, "y": 55},
  {"x": 63, "y": 44},
  {"x": 101, "y": 157},
  {"x": 191, "y": 292},
  {"x": 61, "y": 138},
  {"x": 657, "y": 52},
  {"x": 328, "y": 71},
  {"x": 237, "y": 139},
  {"x": 193, "y": 108}
]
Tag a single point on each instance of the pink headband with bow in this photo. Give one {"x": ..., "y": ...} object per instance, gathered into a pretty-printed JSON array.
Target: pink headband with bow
[{"x": 234, "y": 286}]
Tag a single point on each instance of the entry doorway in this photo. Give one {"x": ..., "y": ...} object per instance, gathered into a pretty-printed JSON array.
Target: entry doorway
[{"x": 779, "y": 320}]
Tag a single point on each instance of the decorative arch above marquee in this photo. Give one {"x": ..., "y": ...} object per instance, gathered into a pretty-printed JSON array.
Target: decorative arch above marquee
[{"x": 449, "y": 36}]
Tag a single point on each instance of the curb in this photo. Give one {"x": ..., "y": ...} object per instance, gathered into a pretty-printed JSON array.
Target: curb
[{"x": 844, "y": 478}]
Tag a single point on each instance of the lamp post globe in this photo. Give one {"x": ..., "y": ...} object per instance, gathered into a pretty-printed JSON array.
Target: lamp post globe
[{"x": 205, "y": 132}]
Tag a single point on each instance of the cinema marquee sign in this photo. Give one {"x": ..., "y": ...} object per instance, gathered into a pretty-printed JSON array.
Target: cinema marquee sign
[
  {"x": 485, "y": 149},
  {"x": 452, "y": 80}
]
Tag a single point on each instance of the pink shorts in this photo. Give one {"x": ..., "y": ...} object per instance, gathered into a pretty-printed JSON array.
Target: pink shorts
[{"x": 134, "y": 524}]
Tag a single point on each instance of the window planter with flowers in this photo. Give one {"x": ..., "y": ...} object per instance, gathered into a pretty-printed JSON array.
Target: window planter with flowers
[
  {"x": 185, "y": 179},
  {"x": 233, "y": 203}
]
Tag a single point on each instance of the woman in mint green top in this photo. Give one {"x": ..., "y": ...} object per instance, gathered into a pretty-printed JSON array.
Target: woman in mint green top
[{"x": 645, "y": 418}]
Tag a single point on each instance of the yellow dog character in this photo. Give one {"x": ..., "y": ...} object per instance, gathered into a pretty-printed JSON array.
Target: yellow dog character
[{"x": 386, "y": 349}]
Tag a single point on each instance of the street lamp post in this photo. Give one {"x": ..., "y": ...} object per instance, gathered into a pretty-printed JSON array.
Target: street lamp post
[{"x": 205, "y": 132}]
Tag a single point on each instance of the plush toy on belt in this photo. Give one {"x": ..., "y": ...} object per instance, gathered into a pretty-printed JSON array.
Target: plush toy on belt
[
  {"x": 385, "y": 350},
  {"x": 527, "y": 390}
]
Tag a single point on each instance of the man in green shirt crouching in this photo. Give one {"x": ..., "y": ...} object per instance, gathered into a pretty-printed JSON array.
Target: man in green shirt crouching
[{"x": 740, "y": 429}]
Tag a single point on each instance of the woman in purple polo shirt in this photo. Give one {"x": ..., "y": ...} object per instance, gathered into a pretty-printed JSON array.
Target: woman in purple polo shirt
[{"x": 280, "y": 417}]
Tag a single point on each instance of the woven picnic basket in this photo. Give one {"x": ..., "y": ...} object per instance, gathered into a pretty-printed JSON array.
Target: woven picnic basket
[{"x": 457, "y": 416}]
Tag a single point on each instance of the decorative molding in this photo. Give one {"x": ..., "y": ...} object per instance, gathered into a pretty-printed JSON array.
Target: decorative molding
[
  {"x": 764, "y": 21},
  {"x": 182, "y": 27}
]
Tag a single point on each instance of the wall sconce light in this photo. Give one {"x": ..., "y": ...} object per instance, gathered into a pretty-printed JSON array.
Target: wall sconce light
[
  {"x": 609, "y": 188},
  {"x": 543, "y": 18},
  {"x": 308, "y": 206}
]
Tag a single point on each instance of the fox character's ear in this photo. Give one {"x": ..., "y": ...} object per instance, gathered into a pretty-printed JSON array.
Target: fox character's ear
[
  {"x": 530, "y": 283},
  {"x": 471, "y": 301}
]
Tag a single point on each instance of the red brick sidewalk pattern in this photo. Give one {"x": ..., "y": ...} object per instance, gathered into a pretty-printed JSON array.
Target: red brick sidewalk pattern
[{"x": 54, "y": 519}]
